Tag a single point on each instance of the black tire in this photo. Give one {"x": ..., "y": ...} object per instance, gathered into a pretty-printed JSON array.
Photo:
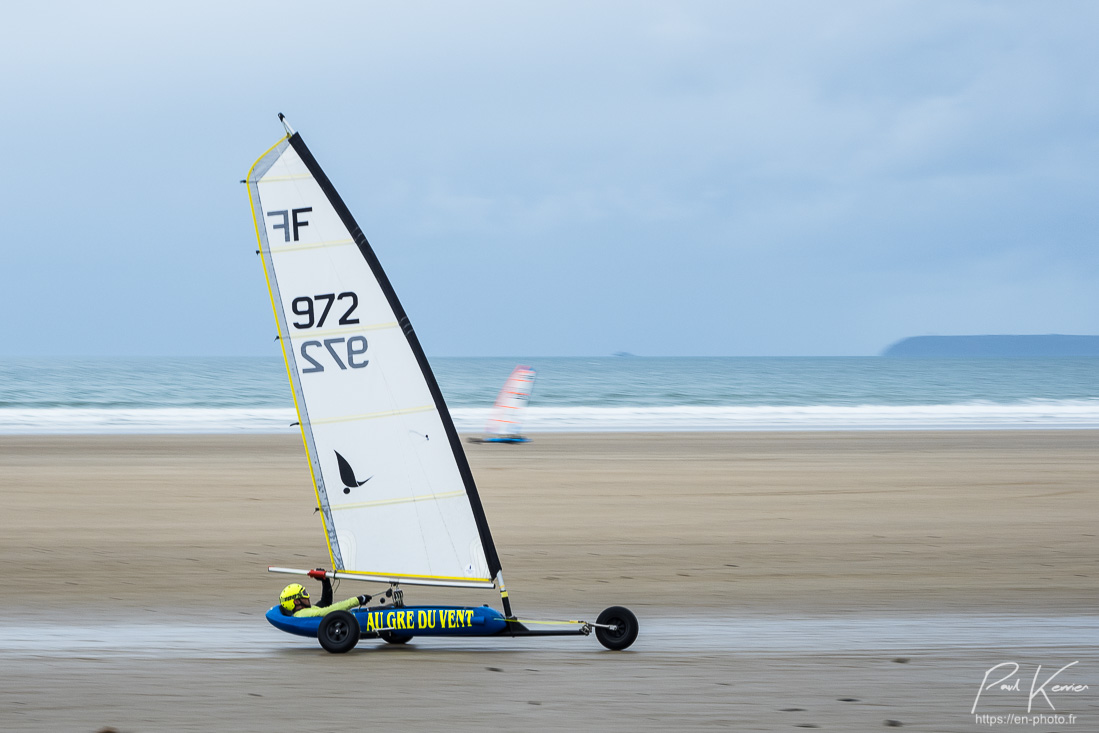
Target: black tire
[
  {"x": 625, "y": 632},
  {"x": 390, "y": 638},
  {"x": 338, "y": 632}
]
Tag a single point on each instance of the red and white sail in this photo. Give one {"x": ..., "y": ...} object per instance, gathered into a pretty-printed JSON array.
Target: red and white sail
[{"x": 506, "y": 416}]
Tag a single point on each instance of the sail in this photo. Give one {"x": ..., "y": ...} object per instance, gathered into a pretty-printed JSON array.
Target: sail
[
  {"x": 505, "y": 418},
  {"x": 395, "y": 492}
]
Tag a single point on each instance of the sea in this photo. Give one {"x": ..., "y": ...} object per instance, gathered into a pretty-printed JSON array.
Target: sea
[{"x": 620, "y": 393}]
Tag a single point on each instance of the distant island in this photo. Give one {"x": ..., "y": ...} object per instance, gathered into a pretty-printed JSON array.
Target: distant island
[{"x": 997, "y": 346}]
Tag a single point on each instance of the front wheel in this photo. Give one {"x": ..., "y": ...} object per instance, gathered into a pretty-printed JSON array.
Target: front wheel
[
  {"x": 338, "y": 632},
  {"x": 624, "y": 631}
]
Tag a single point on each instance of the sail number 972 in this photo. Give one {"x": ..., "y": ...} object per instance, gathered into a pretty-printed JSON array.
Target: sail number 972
[
  {"x": 314, "y": 311},
  {"x": 307, "y": 308},
  {"x": 352, "y": 349}
]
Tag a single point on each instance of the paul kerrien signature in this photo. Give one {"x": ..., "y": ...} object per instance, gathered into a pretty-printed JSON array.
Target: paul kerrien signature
[{"x": 1010, "y": 683}]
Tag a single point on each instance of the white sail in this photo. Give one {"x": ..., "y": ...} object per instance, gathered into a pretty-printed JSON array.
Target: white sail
[
  {"x": 506, "y": 415},
  {"x": 394, "y": 489}
]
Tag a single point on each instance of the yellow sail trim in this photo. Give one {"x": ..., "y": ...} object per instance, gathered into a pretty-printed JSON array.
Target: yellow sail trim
[
  {"x": 403, "y": 500},
  {"x": 282, "y": 340},
  {"x": 373, "y": 415},
  {"x": 422, "y": 577}
]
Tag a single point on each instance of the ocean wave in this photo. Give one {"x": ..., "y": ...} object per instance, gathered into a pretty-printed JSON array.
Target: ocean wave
[
  {"x": 60, "y": 421},
  {"x": 1036, "y": 414},
  {"x": 1049, "y": 414}
]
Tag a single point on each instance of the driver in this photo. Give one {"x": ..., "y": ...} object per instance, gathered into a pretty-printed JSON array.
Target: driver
[{"x": 294, "y": 599}]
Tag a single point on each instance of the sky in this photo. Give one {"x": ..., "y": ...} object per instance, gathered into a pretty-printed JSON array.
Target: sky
[{"x": 560, "y": 179}]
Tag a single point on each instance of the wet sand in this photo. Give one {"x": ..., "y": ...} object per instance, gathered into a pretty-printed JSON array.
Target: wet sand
[{"x": 778, "y": 577}]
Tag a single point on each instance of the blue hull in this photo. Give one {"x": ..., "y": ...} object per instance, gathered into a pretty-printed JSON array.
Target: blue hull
[
  {"x": 406, "y": 621},
  {"x": 506, "y": 440}
]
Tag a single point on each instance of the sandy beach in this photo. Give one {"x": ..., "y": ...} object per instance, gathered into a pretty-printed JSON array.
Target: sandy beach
[{"x": 846, "y": 581}]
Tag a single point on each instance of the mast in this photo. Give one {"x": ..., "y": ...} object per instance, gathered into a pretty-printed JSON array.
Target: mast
[{"x": 297, "y": 208}]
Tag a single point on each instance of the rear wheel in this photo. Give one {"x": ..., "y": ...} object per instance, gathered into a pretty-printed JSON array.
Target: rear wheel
[
  {"x": 338, "y": 632},
  {"x": 390, "y": 638},
  {"x": 624, "y": 631}
]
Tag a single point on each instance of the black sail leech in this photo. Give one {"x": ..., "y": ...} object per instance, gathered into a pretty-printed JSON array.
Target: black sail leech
[{"x": 368, "y": 254}]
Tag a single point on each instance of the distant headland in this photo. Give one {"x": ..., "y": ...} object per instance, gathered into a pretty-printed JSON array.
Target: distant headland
[{"x": 998, "y": 346}]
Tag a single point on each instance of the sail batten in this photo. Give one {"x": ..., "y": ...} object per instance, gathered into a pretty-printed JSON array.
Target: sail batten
[
  {"x": 283, "y": 179},
  {"x": 345, "y": 330},
  {"x": 395, "y": 492},
  {"x": 314, "y": 245},
  {"x": 386, "y": 502},
  {"x": 374, "y": 416}
]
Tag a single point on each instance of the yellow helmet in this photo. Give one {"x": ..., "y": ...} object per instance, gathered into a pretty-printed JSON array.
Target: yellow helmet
[{"x": 291, "y": 593}]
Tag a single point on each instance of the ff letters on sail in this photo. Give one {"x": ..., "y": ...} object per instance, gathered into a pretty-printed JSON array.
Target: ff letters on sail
[{"x": 394, "y": 489}]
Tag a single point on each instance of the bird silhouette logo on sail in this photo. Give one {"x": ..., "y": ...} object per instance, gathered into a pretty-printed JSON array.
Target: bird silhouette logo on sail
[{"x": 347, "y": 474}]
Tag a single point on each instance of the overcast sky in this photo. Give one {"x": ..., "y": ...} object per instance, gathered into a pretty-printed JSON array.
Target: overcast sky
[{"x": 688, "y": 178}]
